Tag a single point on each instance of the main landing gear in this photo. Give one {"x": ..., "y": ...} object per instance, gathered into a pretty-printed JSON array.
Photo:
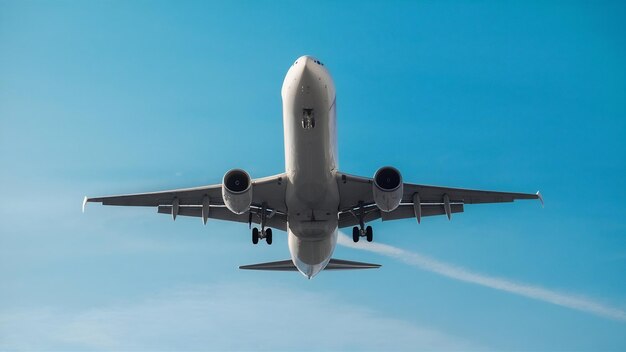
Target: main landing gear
[
  {"x": 264, "y": 233},
  {"x": 256, "y": 235},
  {"x": 357, "y": 233},
  {"x": 361, "y": 230}
]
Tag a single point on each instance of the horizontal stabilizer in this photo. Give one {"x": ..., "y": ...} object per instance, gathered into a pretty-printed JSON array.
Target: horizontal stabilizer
[
  {"x": 282, "y": 265},
  {"x": 338, "y": 264},
  {"x": 287, "y": 265}
]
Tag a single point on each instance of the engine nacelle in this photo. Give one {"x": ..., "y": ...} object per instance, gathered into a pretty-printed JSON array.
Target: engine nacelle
[
  {"x": 388, "y": 188},
  {"x": 237, "y": 191}
]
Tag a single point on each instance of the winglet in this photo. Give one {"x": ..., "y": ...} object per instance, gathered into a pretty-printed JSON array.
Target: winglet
[
  {"x": 540, "y": 198},
  {"x": 84, "y": 203}
]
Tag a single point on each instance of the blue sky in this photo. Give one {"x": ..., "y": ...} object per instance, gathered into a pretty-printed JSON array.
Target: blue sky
[{"x": 108, "y": 97}]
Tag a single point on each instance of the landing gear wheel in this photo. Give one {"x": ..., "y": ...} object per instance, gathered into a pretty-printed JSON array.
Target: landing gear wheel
[
  {"x": 369, "y": 233},
  {"x": 255, "y": 235},
  {"x": 268, "y": 236},
  {"x": 356, "y": 233}
]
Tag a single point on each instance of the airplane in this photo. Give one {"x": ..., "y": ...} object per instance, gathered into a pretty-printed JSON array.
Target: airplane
[{"x": 312, "y": 199}]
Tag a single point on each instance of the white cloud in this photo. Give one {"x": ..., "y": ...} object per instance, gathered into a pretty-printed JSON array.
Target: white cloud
[
  {"x": 226, "y": 317},
  {"x": 459, "y": 273}
]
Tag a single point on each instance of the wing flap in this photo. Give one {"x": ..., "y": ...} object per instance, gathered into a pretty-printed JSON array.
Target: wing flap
[
  {"x": 407, "y": 211},
  {"x": 404, "y": 211},
  {"x": 277, "y": 221}
]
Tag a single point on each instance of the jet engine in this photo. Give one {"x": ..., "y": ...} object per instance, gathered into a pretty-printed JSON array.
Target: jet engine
[
  {"x": 388, "y": 188},
  {"x": 237, "y": 191}
]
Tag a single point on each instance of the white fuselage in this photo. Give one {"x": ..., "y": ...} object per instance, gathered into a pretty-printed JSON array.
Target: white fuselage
[{"x": 312, "y": 196}]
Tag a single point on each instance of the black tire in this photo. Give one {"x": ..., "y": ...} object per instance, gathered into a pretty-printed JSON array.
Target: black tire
[
  {"x": 369, "y": 233},
  {"x": 255, "y": 235},
  {"x": 355, "y": 234},
  {"x": 268, "y": 236}
]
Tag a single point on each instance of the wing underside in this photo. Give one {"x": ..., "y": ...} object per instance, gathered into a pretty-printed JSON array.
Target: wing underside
[
  {"x": 268, "y": 199},
  {"x": 357, "y": 200},
  {"x": 275, "y": 220}
]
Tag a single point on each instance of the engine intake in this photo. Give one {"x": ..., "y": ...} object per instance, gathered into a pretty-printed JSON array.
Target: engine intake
[
  {"x": 388, "y": 188},
  {"x": 237, "y": 191}
]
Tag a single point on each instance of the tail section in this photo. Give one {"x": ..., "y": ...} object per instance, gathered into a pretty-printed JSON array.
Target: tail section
[{"x": 287, "y": 265}]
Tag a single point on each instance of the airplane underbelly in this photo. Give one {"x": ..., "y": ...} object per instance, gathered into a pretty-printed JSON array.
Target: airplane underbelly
[
  {"x": 312, "y": 204},
  {"x": 312, "y": 194}
]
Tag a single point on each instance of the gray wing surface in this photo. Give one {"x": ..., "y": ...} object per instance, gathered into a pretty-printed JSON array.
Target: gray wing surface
[
  {"x": 186, "y": 196},
  {"x": 275, "y": 220},
  {"x": 269, "y": 191},
  {"x": 355, "y": 190}
]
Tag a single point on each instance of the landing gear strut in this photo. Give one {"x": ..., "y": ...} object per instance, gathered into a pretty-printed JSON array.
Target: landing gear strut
[
  {"x": 361, "y": 230},
  {"x": 264, "y": 233}
]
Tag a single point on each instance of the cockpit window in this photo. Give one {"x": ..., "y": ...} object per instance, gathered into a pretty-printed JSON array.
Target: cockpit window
[{"x": 316, "y": 61}]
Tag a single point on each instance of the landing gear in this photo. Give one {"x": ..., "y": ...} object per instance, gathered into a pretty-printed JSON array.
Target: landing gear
[
  {"x": 357, "y": 233},
  {"x": 263, "y": 233},
  {"x": 361, "y": 230},
  {"x": 256, "y": 235},
  {"x": 268, "y": 236}
]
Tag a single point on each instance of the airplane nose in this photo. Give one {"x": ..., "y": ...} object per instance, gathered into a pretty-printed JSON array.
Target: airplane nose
[
  {"x": 310, "y": 70},
  {"x": 308, "y": 62},
  {"x": 305, "y": 59}
]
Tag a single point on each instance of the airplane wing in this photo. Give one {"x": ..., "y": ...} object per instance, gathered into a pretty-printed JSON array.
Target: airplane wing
[
  {"x": 356, "y": 197},
  {"x": 268, "y": 191}
]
